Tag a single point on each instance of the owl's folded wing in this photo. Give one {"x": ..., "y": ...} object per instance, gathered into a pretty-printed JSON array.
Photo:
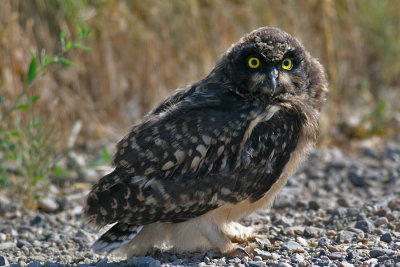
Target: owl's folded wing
[{"x": 191, "y": 158}]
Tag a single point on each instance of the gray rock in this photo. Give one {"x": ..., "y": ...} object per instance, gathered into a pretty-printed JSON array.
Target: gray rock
[
  {"x": 265, "y": 255},
  {"x": 386, "y": 237},
  {"x": 50, "y": 264},
  {"x": 7, "y": 245},
  {"x": 365, "y": 225},
  {"x": 48, "y": 204},
  {"x": 314, "y": 205},
  {"x": 375, "y": 253},
  {"x": 3, "y": 261},
  {"x": 257, "y": 258},
  {"x": 256, "y": 263},
  {"x": 34, "y": 264},
  {"x": 345, "y": 236},
  {"x": 292, "y": 245},
  {"x": 148, "y": 262},
  {"x": 21, "y": 243}
]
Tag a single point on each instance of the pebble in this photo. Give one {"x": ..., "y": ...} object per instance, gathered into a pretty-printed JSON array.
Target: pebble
[
  {"x": 381, "y": 221},
  {"x": 256, "y": 263},
  {"x": 375, "y": 253},
  {"x": 345, "y": 264},
  {"x": 292, "y": 245},
  {"x": 3, "y": 261},
  {"x": 262, "y": 253},
  {"x": 302, "y": 241},
  {"x": 7, "y": 245},
  {"x": 365, "y": 225},
  {"x": 48, "y": 205},
  {"x": 386, "y": 237},
  {"x": 34, "y": 264}
]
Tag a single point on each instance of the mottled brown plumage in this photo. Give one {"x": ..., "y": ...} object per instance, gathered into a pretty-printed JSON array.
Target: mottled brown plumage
[{"x": 213, "y": 151}]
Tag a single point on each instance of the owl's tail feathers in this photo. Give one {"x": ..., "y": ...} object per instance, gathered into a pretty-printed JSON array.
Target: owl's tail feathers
[{"x": 118, "y": 235}]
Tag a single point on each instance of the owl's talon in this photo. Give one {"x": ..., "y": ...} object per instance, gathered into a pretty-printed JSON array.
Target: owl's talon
[{"x": 238, "y": 252}]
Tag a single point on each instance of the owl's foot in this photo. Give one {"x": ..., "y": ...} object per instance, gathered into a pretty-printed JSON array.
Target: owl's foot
[{"x": 239, "y": 233}]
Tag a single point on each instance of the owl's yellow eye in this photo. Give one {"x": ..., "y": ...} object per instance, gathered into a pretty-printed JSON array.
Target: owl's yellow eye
[
  {"x": 287, "y": 64},
  {"x": 254, "y": 62}
]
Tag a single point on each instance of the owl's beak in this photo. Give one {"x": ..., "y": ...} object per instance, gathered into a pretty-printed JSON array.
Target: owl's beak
[{"x": 272, "y": 75}]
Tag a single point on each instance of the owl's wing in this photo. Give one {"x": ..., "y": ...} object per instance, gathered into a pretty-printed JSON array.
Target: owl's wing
[{"x": 188, "y": 159}]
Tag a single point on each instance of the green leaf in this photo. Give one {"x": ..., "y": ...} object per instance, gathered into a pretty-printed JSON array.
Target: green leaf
[
  {"x": 59, "y": 171},
  {"x": 65, "y": 62},
  {"x": 83, "y": 47},
  {"x": 68, "y": 46},
  {"x": 34, "y": 99},
  {"x": 32, "y": 72},
  {"x": 62, "y": 35},
  {"x": 22, "y": 107}
]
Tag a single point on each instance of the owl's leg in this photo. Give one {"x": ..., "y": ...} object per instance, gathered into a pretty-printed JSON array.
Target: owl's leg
[{"x": 151, "y": 235}]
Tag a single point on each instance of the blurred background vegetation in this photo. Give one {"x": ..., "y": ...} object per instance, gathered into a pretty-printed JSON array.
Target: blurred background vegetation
[{"x": 142, "y": 50}]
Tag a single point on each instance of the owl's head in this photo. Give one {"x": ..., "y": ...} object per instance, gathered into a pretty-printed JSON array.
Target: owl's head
[{"x": 271, "y": 62}]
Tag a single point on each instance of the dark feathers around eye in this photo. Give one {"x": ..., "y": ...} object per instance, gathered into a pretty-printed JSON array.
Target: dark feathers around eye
[{"x": 297, "y": 57}]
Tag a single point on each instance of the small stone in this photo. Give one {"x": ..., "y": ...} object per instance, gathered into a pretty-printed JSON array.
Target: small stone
[
  {"x": 102, "y": 263},
  {"x": 21, "y": 243},
  {"x": 375, "y": 253},
  {"x": 331, "y": 233},
  {"x": 48, "y": 205},
  {"x": 257, "y": 258},
  {"x": 292, "y": 245},
  {"x": 314, "y": 205},
  {"x": 302, "y": 241},
  {"x": 177, "y": 262},
  {"x": 381, "y": 221},
  {"x": 386, "y": 237},
  {"x": 381, "y": 212},
  {"x": 365, "y": 225},
  {"x": 148, "y": 262},
  {"x": 344, "y": 236},
  {"x": 370, "y": 262},
  {"x": 275, "y": 256},
  {"x": 34, "y": 264},
  {"x": 265, "y": 255},
  {"x": 312, "y": 232},
  {"x": 256, "y": 263},
  {"x": 282, "y": 264},
  {"x": 343, "y": 202},
  {"x": 337, "y": 255},
  {"x": 50, "y": 264},
  {"x": 352, "y": 254},
  {"x": 7, "y": 245},
  {"x": 323, "y": 242},
  {"x": 3, "y": 237},
  {"x": 3, "y": 261},
  {"x": 345, "y": 264},
  {"x": 298, "y": 258},
  {"x": 222, "y": 261}
]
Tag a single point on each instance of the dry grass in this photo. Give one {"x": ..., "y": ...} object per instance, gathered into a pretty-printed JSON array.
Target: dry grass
[{"x": 142, "y": 50}]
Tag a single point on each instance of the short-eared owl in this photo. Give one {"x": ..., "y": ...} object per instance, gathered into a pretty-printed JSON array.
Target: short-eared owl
[{"x": 213, "y": 152}]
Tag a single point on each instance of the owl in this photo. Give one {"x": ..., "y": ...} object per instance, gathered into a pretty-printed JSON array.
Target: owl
[{"x": 213, "y": 152}]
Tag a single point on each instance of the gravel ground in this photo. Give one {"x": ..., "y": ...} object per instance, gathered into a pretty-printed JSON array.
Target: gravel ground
[{"x": 340, "y": 209}]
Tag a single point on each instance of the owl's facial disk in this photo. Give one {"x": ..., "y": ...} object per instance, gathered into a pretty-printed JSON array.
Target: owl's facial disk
[{"x": 253, "y": 72}]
